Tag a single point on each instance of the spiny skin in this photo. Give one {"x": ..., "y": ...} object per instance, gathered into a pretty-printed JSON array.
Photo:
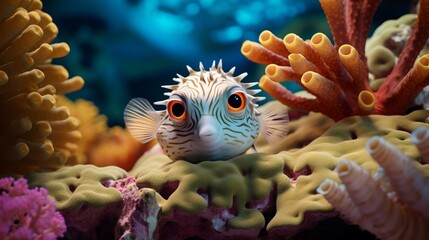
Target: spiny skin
[{"x": 210, "y": 130}]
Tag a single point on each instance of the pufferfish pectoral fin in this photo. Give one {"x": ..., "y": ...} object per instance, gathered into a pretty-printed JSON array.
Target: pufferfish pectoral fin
[
  {"x": 274, "y": 121},
  {"x": 141, "y": 120}
]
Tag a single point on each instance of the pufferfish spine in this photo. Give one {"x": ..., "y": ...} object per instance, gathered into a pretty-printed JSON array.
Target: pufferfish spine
[{"x": 210, "y": 75}]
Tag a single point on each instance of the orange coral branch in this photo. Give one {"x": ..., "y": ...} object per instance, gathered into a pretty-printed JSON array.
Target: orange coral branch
[
  {"x": 300, "y": 64},
  {"x": 349, "y": 56},
  {"x": 282, "y": 73},
  {"x": 326, "y": 91},
  {"x": 261, "y": 55},
  {"x": 324, "y": 48},
  {"x": 280, "y": 93},
  {"x": 273, "y": 43},
  {"x": 295, "y": 44}
]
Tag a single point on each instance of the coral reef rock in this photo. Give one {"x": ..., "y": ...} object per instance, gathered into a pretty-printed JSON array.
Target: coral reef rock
[
  {"x": 34, "y": 131},
  {"x": 337, "y": 75}
]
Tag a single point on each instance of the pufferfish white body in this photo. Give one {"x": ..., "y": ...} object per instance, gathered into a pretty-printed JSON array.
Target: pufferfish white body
[{"x": 210, "y": 115}]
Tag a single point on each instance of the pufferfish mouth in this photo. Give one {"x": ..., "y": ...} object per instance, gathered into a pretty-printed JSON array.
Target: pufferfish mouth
[{"x": 208, "y": 133}]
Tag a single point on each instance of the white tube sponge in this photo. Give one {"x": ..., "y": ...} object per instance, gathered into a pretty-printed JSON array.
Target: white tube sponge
[
  {"x": 378, "y": 213},
  {"x": 407, "y": 181},
  {"x": 420, "y": 138},
  {"x": 337, "y": 195},
  {"x": 370, "y": 199}
]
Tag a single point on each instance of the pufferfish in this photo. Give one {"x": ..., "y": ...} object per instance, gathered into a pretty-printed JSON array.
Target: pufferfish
[{"x": 209, "y": 115}]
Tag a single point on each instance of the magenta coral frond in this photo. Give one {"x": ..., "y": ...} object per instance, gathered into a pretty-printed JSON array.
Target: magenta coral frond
[{"x": 27, "y": 213}]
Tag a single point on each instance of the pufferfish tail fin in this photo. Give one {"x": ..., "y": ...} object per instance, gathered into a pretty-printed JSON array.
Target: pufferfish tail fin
[
  {"x": 274, "y": 121},
  {"x": 141, "y": 120}
]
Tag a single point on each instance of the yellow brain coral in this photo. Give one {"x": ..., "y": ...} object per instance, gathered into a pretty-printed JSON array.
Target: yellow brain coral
[{"x": 34, "y": 130}]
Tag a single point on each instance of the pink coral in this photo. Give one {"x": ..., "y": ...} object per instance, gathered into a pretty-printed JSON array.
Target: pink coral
[{"x": 27, "y": 213}]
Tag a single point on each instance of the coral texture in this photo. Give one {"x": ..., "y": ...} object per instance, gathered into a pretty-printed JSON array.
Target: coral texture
[
  {"x": 337, "y": 75},
  {"x": 27, "y": 213},
  {"x": 91, "y": 126},
  {"x": 116, "y": 147},
  {"x": 395, "y": 212},
  {"x": 75, "y": 186},
  {"x": 35, "y": 131}
]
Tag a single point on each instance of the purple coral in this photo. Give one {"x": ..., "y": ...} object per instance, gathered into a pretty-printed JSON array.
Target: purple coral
[{"x": 27, "y": 213}]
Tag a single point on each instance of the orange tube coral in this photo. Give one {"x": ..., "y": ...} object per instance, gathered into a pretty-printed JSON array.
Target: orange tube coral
[
  {"x": 350, "y": 58},
  {"x": 279, "y": 92},
  {"x": 273, "y": 43},
  {"x": 345, "y": 63},
  {"x": 281, "y": 73},
  {"x": 300, "y": 64},
  {"x": 259, "y": 54},
  {"x": 366, "y": 101}
]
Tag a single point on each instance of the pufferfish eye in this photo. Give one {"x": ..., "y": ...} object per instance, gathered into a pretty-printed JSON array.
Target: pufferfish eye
[
  {"x": 236, "y": 102},
  {"x": 176, "y": 109}
]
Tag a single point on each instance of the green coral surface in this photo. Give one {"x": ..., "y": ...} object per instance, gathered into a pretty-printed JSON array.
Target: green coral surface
[
  {"x": 246, "y": 178},
  {"x": 75, "y": 186}
]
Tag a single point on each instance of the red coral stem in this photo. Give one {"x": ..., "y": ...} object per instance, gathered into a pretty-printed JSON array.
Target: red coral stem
[{"x": 334, "y": 11}]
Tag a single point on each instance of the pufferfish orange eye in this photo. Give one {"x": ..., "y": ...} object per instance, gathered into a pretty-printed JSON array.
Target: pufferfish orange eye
[
  {"x": 236, "y": 102},
  {"x": 176, "y": 110}
]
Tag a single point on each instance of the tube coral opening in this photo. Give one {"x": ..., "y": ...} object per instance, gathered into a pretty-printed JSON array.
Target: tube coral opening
[
  {"x": 424, "y": 60},
  {"x": 317, "y": 39},
  {"x": 271, "y": 70},
  {"x": 289, "y": 39},
  {"x": 345, "y": 49},
  {"x": 343, "y": 167},
  {"x": 373, "y": 144},
  {"x": 366, "y": 100},
  {"x": 308, "y": 79},
  {"x": 420, "y": 134},
  {"x": 265, "y": 36},
  {"x": 325, "y": 187},
  {"x": 246, "y": 48}
]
